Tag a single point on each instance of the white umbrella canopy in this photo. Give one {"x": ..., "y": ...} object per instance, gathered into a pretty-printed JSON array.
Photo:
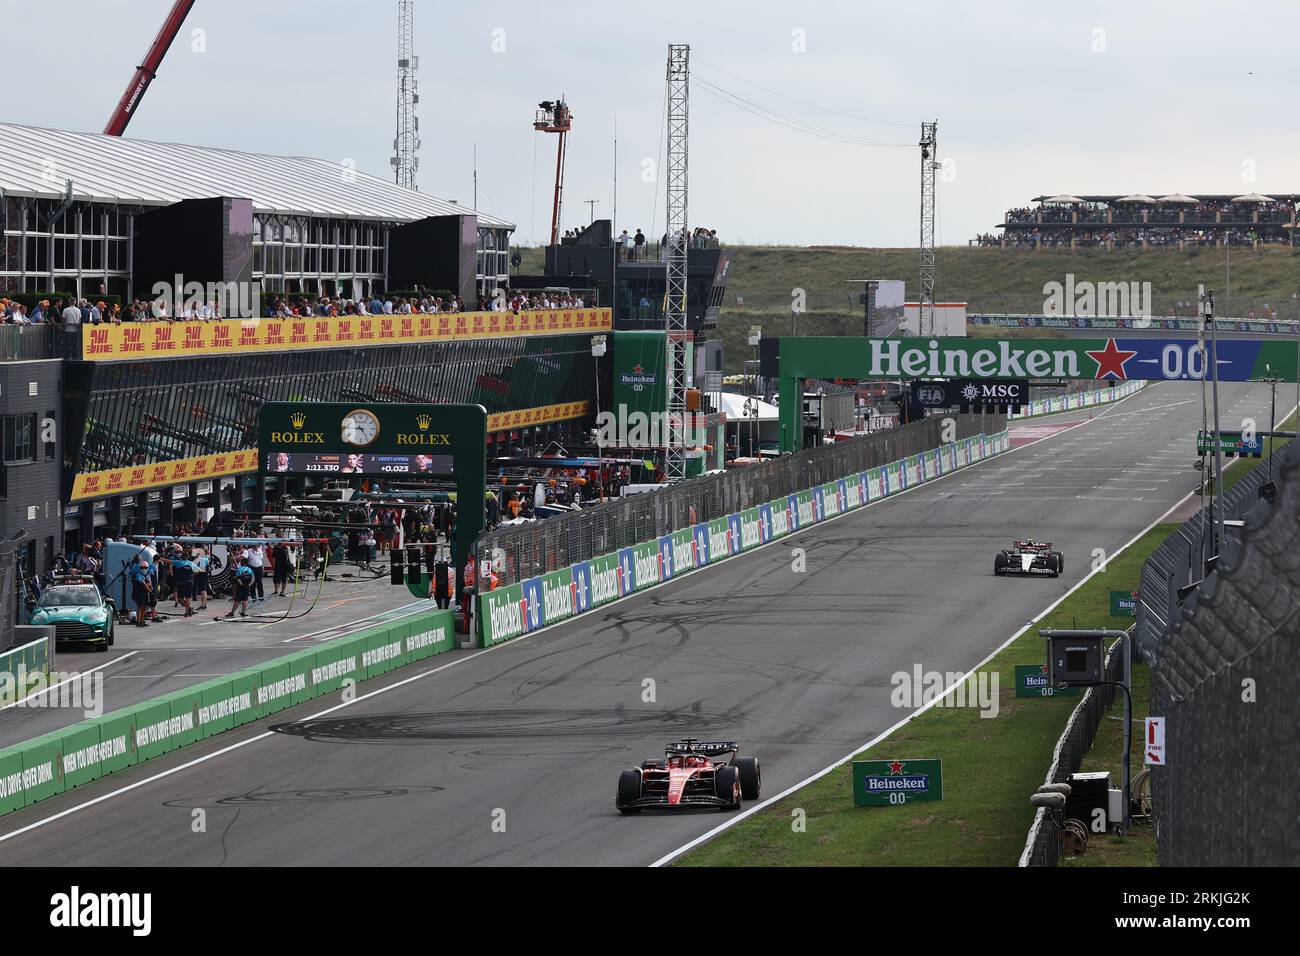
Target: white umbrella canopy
[
  {"x": 1177, "y": 197},
  {"x": 1135, "y": 198},
  {"x": 1063, "y": 199},
  {"x": 1252, "y": 197}
]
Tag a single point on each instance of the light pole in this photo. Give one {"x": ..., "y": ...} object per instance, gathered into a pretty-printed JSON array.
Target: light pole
[
  {"x": 597, "y": 350},
  {"x": 1208, "y": 310},
  {"x": 755, "y": 336}
]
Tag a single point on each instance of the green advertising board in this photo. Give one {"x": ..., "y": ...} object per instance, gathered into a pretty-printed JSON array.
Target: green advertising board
[
  {"x": 640, "y": 370},
  {"x": 1123, "y": 603},
  {"x": 1031, "y": 681},
  {"x": 882, "y": 783},
  {"x": 1230, "y": 443}
]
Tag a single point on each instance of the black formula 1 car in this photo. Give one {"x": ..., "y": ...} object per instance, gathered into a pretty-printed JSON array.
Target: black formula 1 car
[
  {"x": 688, "y": 776},
  {"x": 1029, "y": 557}
]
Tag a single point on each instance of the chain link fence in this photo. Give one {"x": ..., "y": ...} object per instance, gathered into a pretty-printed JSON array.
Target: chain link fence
[
  {"x": 1042, "y": 847},
  {"x": 1224, "y": 675},
  {"x": 525, "y": 551}
]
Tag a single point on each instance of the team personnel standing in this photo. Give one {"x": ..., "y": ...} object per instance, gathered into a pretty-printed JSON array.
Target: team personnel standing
[
  {"x": 280, "y": 563},
  {"x": 141, "y": 585},
  {"x": 183, "y": 581},
  {"x": 256, "y": 556},
  {"x": 243, "y": 585},
  {"x": 201, "y": 563}
]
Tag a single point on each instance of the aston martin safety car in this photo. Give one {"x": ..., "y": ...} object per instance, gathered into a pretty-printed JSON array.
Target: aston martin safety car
[
  {"x": 689, "y": 776},
  {"x": 78, "y": 612},
  {"x": 1029, "y": 557}
]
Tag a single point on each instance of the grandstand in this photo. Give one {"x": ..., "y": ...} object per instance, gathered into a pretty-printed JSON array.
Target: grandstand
[{"x": 1146, "y": 221}]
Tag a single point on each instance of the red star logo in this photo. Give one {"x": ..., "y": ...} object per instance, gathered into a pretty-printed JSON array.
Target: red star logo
[
  {"x": 636, "y": 369},
  {"x": 1042, "y": 669},
  {"x": 1110, "y": 360},
  {"x": 895, "y": 767}
]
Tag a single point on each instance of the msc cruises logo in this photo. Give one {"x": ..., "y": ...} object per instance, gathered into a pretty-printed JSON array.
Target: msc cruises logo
[{"x": 298, "y": 419}]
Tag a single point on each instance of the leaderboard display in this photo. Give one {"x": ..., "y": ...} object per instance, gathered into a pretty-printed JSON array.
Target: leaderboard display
[{"x": 357, "y": 464}]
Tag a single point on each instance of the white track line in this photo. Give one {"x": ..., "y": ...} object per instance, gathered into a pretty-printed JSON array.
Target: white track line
[
  {"x": 704, "y": 838},
  {"x": 70, "y": 680},
  {"x": 517, "y": 642}
]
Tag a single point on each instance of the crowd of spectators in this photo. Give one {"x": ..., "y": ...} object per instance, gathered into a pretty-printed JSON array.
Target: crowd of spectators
[
  {"x": 1136, "y": 223},
  {"x": 504, "y": 300}
]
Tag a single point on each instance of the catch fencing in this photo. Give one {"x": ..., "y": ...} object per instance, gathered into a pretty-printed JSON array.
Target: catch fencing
[
  {"x": 1224, "y": 669},
  {"x": 1041, "y": 849},
  {"x": 526, "y": 551}
]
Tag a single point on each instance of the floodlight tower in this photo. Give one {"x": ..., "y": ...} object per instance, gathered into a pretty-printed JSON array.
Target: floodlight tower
[
  {"x": 675, "y": 323},
  {"x": 405, "y": 161},
  {"x": 928, "y": 167}
]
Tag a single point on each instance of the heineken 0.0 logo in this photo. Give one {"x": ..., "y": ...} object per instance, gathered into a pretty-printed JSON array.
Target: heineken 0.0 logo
[{"x": 882, "y": 783}]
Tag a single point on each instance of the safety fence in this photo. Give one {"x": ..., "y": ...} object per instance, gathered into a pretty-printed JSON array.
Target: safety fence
[
  {"x": 1180, "y": 560},
  {"x": 76, "y": 755},
  {"x": 1224, "y": 668},
  {"x": 1077, "y": 400},
  {"x": 558, "y": 594},
  {"x": 525, "y": 551},
  {"x": 22, "y": 667},
  {"x": 1073, "y": 745}
]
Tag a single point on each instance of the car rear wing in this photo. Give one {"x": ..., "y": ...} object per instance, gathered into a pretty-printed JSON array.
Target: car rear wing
[
  {"x": 704, "y": 749},
  {"x": 1033, "y": 545}
]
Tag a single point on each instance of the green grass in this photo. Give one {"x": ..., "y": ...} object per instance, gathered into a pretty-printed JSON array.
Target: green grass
[
  {"x": 988, "y": 280},
  {"x": 1138, "y": 848},
  {"x": 990, "y": 768}
]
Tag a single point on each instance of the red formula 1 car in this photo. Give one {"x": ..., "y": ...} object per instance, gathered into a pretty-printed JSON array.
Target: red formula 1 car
[
  {"x": 688, "y": 776},
  {"x": 1029, "y": 557}
]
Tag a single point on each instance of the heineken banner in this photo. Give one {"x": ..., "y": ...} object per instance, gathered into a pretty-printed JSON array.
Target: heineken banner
[
  {"x": 1231, "y": 444},
  {"x": 1114, "y": 359},
  {"x": 1123, "y": 603},
  {"x": 1031, "y": 681},
  {"x": 640, "y": 370},
  {"x": 880, "y": 783}
]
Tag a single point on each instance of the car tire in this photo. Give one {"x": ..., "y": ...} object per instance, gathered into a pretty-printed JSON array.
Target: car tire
[
  {"x": 629, "y": 789},
  {"x": 751, "y": 778},
  {"x": 1054, "y": 562},
  {"x": 102, "y": 647},
  {"x": 1060, "y": 563},
  {"x": 726, "y": 786},
  {"x": 1000, "y": 561},
  {"x": 112, "y": 636}
]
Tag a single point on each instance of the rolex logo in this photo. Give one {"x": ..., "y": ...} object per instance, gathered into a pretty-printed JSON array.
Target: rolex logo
[
  {"x": 298, "y": 419},
  {"x": 423, "y": 421}
]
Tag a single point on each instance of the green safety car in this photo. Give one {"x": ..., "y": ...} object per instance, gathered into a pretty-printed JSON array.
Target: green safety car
[{"x": 77, "y": 611}]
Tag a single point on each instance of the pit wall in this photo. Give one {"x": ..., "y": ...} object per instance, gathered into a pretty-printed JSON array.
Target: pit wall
[
  {"x": 1077, "y": 400},
  {"x": 69, "y": 758},
  {"x": 535, "y": 603}
]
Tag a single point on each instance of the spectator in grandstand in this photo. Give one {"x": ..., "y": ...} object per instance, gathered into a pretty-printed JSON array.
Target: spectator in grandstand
[
  {"x": 638, "y": 244},
  {"x": 71, "y": 315}
]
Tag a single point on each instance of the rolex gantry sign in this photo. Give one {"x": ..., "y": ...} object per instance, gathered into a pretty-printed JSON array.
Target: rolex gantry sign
[
  {"x": 379, "y": 440},
  {"x": 384, "y": 441}
]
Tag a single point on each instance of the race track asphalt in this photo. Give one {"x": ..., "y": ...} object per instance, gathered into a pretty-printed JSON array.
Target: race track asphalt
[{"x": 510, "y": 756}]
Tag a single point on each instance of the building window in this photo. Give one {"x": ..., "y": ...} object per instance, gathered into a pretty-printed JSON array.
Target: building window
[{"x": 19, "y": 438}]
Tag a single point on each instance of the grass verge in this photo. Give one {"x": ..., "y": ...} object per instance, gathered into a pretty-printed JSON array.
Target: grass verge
[{"x": 990, "y": 767}]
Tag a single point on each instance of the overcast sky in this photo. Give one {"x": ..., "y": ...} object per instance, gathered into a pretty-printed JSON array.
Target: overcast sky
[{"x": 1031, "y": 98}]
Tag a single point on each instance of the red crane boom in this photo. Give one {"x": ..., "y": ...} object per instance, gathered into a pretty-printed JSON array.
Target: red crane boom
[{"x": 146, "y": 71}]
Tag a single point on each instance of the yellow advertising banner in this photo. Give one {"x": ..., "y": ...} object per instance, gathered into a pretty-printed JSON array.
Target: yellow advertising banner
[
  {"x": 119, "y": 481},
  {"x": 524, "y": 417},
  {"x": 133, "y": 341}
]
